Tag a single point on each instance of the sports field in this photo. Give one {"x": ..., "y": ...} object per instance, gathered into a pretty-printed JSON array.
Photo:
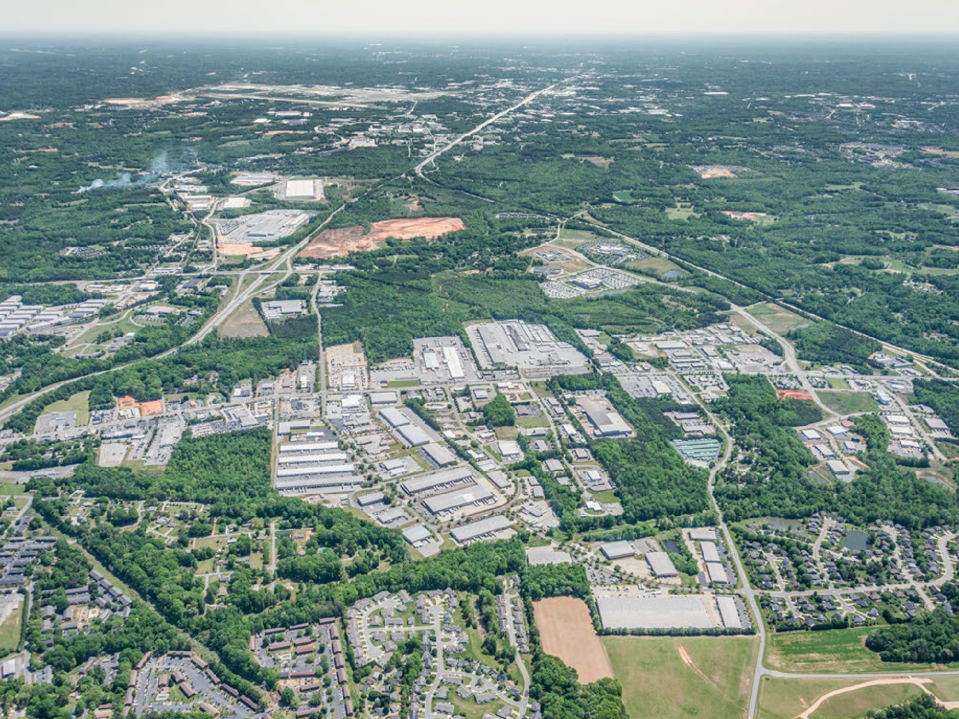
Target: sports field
[
  {"x": 681, "y": 677},
  {"x": 566, "y": 631}
]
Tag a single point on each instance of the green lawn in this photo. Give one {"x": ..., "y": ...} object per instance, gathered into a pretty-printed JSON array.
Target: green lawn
[
  {"x": 10, "y": 630},
  {"x": 659, "y": 684},
  {"x": 837, "y": 650},
  {"x": 778, "y": 319},
  {"x": 79, "y": 402},
  {"x": 849, "y": 402},
  {"x": 787, "y": 698}
]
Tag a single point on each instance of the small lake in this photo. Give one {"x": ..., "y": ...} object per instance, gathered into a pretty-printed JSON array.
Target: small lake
[{"x": 856, "y": 541}]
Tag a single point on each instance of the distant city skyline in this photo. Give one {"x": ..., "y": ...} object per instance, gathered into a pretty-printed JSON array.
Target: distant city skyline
[{"x": 507, "y": 17}]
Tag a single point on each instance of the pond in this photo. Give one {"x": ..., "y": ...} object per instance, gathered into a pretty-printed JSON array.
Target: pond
[{"x": 856, "y": 541}]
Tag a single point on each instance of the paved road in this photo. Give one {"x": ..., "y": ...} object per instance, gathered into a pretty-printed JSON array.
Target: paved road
[{"x": 418, "y": 170}]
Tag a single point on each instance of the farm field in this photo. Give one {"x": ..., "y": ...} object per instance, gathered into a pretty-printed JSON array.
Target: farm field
[
  {"x": 679, "y": 677},
  {"x": 566, "y": 631}
]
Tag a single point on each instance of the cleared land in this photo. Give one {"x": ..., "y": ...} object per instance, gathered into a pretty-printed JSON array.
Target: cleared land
[
  {"x": 343, "y": 241},
  {"x": 678, "y": 677},
  {"x": 567, "y": 632},
  {"x": 836, "y": 698},
  {"x": 778, "y": 319},
  {"x": 849, "y": 402},
  {"x": 838, "y": 650},
  {"x": 79, "y": 402},
  {"x": 11, "y": 614},
  {"x": 244, "y": 322}
]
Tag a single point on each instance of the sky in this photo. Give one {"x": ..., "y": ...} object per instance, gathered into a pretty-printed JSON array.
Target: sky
[{"x": 457, "y": 18}]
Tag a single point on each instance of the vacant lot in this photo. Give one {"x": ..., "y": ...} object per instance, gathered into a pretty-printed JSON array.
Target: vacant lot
[
  {"x": 778, "y": 319},
  {"x": 838, "y": 650},
  {"x": 678, "y": 677},
  {"x": 566, "y": 631},
  {"x": 849, "y": 402},
  {"x": 79, "y": 402},
  {"x": 343, "y": 241},
  {"x": 244, "y": 322},
  {"x": 11, "y": 612},
  {"x": 789, "y": 698}
]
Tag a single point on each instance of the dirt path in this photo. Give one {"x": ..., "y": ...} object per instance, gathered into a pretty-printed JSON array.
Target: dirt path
[
  {"x": 919, "y": 682},
  {"x": 688, "y": 661}
]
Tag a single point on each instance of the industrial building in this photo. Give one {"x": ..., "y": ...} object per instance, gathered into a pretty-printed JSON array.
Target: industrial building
[
  {"x": 527, "y": 347},
  {"x": 716, "y": 573},
  {"x": 604, "y": 421},
  {"x": 661, "y": 565},
  {"x": 443, "y": 359},
  {"x": 618, "y": 550},
  {"x": 493, "y": 527},
  {"x": 459, "y": 499},
  {"x": 668, "y": 611},
  {"x": 441, "y": 481},
  {"x": 281, "y": 309}
]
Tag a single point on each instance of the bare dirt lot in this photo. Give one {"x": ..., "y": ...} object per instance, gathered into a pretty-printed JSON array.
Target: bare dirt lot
[
  {"x": 566, "y": 631},
  {"x": 341, "y": 242}
]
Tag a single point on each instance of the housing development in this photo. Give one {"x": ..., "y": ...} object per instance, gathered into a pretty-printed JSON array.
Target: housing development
[{"x": 401, "y": 382}]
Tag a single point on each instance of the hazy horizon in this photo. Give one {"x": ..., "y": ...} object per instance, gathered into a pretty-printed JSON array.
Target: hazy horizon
[{"x": 436, "y": 18}]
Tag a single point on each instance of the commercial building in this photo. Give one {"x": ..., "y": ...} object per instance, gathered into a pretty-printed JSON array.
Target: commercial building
[
  {"x": 618, "y": 550},
  {"x": 716, "y": 573},
  {"x": 603, "y": 419},
  {"x": 440, "y": 481},
  {"x": 661, "y": 565},
  {"x": 531, "y": 348},
  {"x": 487, "y": 528},
  {"x": 669, "y": 611},
  {"x": 459, "y": 499}
]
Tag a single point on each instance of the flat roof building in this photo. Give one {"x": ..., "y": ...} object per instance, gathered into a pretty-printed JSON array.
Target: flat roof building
[
  {"x": 618, "y": 550},
  {"x": 661, "y": 564},
  {"x": 486, "y": 528},
  {"x": 458, "y": 499}
]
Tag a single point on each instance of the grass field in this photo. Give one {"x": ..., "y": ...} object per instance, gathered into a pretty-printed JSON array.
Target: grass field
[
  {"x": 778, "y": 319},
  {"x": 579, "y": 235},
  {"x": 849, "y": 402},
  {"x": 838, "y": 650},
  {"x": 10, "y": 629},
  {"x": 681, "y": 212},
  {"x": 79, "y": 402},
  {"x": 244, "y": 322},
  {"x": 678, "y": 677},
  {"x": 659, "y": 265},
  {"x": 787, "y": 698}
]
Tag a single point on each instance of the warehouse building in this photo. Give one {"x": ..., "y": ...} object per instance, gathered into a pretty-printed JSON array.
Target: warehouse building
[
  {"x": 459, "y": 499},
  {"x": 603, "y": 419},
  {"x": 618, "y": 550},
  {"x": 440, "y": 481},
  {"x": 716, "y": 573},
  {"x": 661, "y": 565},
  {"x": 495, "y": 527}
]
